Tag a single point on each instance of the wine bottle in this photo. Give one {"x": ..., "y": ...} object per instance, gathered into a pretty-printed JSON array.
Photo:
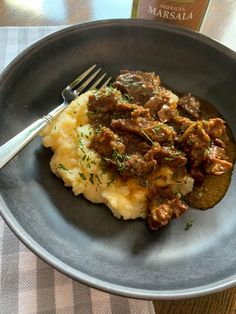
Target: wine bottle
[{"x": 185, "y": 13}]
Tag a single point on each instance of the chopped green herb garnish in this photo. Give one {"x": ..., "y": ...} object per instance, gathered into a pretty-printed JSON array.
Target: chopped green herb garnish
[
  {"x": 91, "y": 178},
  {"x": 97, "y": 177},
  {"x": 176, "y": 153},
  {"x": 178, "y": 195},
  {"x": 188, "y": 225},
  {"x": 81, "y": 146},
  {"x": 110, "y": 89},
  {"x": 127, "y": 97},
  {"x": 82, "y": 176},
  {"x": 169, "y": 158},
  {"x": 112, "y": 180},
  {"x": 98, "y": 129},
  {"x": 157, "y": 128},
  {"x": 61, "y": 166},
  {"x": 119, "y": 160}
]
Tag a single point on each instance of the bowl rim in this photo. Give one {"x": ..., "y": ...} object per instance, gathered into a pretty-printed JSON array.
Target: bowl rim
[{"x": 45, "y": 255}]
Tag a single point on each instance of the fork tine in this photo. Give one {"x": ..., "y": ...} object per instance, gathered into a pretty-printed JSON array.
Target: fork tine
[
  {"x": 81, "y": 77},
  {"x": 106, "y": 83},
  {"x": 96, "y": 83},
  {"x": 86, "y": 83}
]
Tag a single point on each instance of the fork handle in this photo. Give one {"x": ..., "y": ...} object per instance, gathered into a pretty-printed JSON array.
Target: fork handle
[{"x": 12, "y": 147}]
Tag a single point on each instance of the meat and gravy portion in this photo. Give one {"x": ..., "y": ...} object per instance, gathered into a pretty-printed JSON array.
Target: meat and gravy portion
[{"x": 152, "y": 147}]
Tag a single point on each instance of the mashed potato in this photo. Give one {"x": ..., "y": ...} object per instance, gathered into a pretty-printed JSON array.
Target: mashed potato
[{"x": 69, "y": 136}]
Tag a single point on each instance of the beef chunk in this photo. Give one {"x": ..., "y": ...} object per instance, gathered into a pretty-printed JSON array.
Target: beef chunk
[
  {"x": 129, "y": 162},
  {"x": 134, "y": 144},
  {"x": 149, "y": 130},
  {"x": 180, "y": 124},
  {"x": 167, "y": 155},
  {"x": 196, "y": 136},
  {"x": 106, "y": 100},
  {"x": 217, "y": 152},
  {"x": 154, "y": 104},
  {"x": 127, "y": 125},
  {"x": 196, "y": 143},
  {"x": 217, "y": 166},
  {"x": 106, "y": 142},
  {"x": 215, "y": 161},
  {"x": 158, "y": 132},
  {"x": 189, "y": 106},
  {"x": 216, "y": 128},
  {"x": 135, "y": 166},
  {"x": 141, "y": 112},
  {"x": 161, "y": 106},
  {"x": 166, "y": 113},
  {"x": 108, "y": 104},
  {"x": 161, "y": 214},
  {"x": 138, "y": 86},
  {"x": 171, "y": 156},
  {"x": 218, "y": 142}
]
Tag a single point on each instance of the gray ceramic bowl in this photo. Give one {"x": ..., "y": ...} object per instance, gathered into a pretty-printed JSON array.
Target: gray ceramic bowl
[{"x": 81, "y": 239}]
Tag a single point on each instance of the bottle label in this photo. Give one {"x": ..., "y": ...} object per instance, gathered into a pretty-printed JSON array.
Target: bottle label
[{"x": 186, "y": 13}]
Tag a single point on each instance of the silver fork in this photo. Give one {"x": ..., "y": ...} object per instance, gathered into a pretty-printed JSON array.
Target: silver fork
[{"x": 80, "y": 84}]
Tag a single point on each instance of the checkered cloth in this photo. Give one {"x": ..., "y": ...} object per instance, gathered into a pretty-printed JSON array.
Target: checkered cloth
[{"x": 27, "y": 284}]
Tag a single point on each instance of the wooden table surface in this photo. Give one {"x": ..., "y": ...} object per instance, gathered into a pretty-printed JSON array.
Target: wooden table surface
[{"x": 220, "y": 24}]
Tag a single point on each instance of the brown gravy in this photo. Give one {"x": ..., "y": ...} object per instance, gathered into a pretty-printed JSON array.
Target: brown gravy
[{"x": 214, "y": 187}]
